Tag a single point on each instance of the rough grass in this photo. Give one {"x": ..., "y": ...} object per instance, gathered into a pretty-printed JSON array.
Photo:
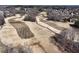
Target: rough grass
[
  {"x": 69, "y": 40},
  {"x": 22, "y": 29},
  {"x": 19, "y": 49},
  {"x": 53, "y": 25},
  {"x": 3, "y": 48}
]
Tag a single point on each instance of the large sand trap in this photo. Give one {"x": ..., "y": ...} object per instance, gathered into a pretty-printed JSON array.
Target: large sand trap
[{"x": 43, "y": 35}]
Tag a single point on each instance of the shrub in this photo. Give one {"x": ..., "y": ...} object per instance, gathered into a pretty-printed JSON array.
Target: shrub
[
  {"x": 29, "y": 18},
  {"x": 77, "y": 23}
]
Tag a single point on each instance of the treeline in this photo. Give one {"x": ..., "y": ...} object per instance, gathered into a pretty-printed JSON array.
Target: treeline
[{"x": 45, "y": 6}]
